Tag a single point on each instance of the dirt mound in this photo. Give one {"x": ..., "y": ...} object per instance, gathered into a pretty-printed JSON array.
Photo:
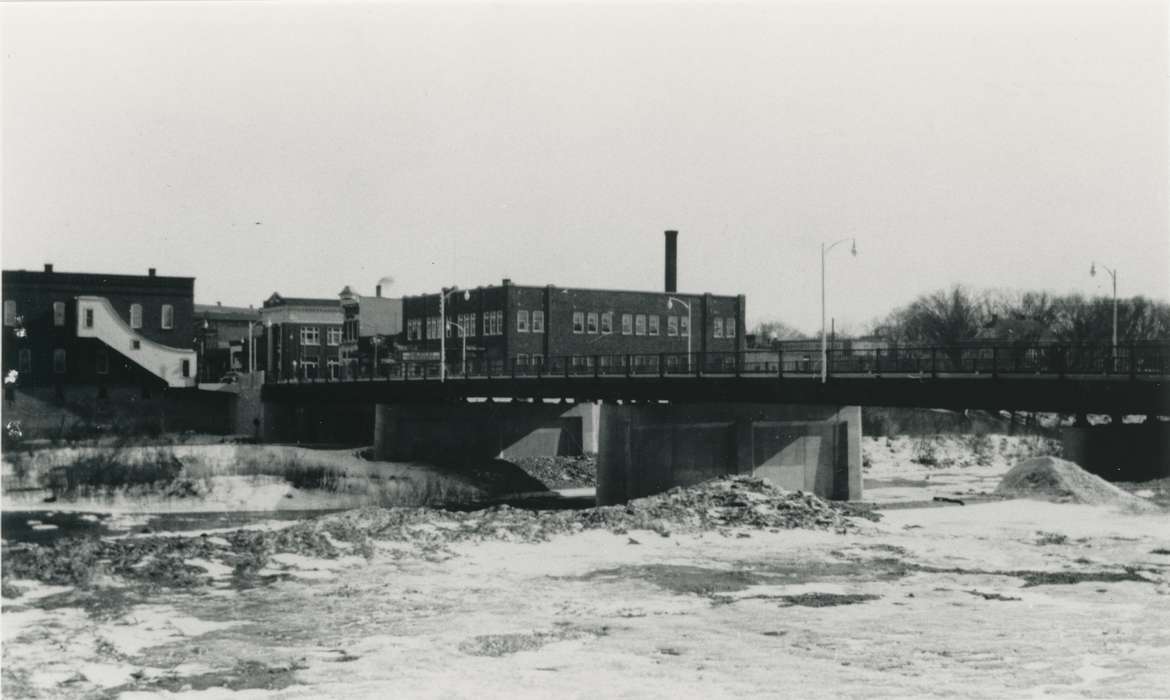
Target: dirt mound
[{"x": 1056, "y": 479}]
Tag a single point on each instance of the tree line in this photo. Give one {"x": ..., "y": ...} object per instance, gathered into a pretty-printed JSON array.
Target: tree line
[{"x": 961, "y": 315}]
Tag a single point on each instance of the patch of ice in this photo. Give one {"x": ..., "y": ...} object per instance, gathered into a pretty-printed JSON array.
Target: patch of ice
[
  {"x": 107, "y": 675},
  {"x": 1144, "y": 493},
  {"x": 213, "y": 569},
  {"x": 44, "y": 526}
]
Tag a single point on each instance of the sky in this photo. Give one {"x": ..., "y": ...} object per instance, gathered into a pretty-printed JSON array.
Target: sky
[{"x": 301, "y": 147}]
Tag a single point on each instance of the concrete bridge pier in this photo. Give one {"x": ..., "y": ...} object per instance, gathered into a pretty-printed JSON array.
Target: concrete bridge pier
[
  {"x": 649, "y": 448},
  {"x": 1120, "y": 451}
]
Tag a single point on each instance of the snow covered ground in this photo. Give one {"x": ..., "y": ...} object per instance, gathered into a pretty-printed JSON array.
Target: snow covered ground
[{"x": 996, "y": 599}]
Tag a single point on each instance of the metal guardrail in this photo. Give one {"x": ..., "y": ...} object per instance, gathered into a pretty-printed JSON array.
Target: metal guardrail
[{"x": 1131, "y": 361}]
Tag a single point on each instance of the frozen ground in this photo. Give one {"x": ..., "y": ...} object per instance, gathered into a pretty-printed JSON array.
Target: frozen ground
[{"x": 996, "y": 599}]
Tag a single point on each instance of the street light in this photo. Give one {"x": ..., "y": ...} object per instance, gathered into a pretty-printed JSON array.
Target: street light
[
  {"x": 1113, "y": 274},
  {"x": 443, "y": 294},
  {"x": 463, "y": 335},
  {"x": 824, "y": 339},
  {"x": 670, "y": 302},
  {"x": 376, "y": 341}
]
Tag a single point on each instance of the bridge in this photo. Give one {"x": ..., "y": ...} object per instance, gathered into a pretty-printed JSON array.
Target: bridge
[{"x": 1128, "y": 379}]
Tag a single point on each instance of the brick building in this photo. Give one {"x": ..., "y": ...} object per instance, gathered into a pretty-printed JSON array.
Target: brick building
[
  {"x": 525, "y": 326},
  {"x": 370, "y": 329},
  {"x": 302, "y": 337},
  {"x": 68, "y": 328}
]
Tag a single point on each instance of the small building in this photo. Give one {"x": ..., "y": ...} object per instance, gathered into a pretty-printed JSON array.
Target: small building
[
  {"x": 79, "y": 328},
  {"x": 302, "y": 337},
  {"x": 224, "y": 337},
  {"x": 371, "y": 329}
]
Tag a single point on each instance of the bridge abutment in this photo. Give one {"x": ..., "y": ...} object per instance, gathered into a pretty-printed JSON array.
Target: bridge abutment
[
  {"x": 648, "y": 448},
  {"x": 1120, "y": 451}
]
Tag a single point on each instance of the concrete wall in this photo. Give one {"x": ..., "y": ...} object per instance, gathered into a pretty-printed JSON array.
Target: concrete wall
[
  {"x": 1128, "y": 452},
  {"x": 473, "y": 432},
  {"x": 649, "y": 448},
  {"x": 80, "y": 410},
  {"x": 315, "y": 423}
]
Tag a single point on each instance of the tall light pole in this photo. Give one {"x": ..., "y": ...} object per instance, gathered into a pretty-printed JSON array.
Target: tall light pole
[
  {"x": 443, "y": 294},
  {"x": 1113, "y": 274},
  {"x": 670, "y": 302},
  {"x": 376, "y": 341},
  {"x": 463, "y": 335},
  {"x": 824, "y": 338}
]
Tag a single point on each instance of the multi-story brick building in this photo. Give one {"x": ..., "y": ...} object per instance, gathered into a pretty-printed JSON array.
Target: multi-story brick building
[
  {"x": 68, "y": 328},
  {"x": 302, "y": 337},
  {"x": 370, "y": 328},
  {"x": 527, "y": 325}
]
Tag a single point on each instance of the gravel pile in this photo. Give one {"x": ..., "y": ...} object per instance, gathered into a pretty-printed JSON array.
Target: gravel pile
[
  {"x": 1049, "y": 478},
  {"x": 561, "y": 472}
]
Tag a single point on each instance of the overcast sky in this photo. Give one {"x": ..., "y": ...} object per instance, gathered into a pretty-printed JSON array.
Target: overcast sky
[{"x": 301, "y": 147}]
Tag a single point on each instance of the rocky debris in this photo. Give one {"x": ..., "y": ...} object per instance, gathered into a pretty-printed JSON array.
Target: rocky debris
[
  {"x": 1050, "y": 478},
  {"x": 561, "y": 472},
  {"x": 721, "y": 505}
]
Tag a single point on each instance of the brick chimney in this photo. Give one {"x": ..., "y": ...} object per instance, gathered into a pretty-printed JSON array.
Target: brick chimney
[
  {"x": 48, "y": 267},
  {"x": 378, "y": 291},
  {"x": 150, "y": 272},
  {"x": 671, "y": 262}
]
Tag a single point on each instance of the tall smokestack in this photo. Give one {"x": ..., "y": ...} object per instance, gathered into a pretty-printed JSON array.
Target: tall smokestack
[
  {"x": 671, "y": 261},
  {"x": 378, "y": 291}
]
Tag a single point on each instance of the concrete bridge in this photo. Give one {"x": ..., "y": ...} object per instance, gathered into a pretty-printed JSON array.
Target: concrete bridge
[{"x": 661, "y": 420}]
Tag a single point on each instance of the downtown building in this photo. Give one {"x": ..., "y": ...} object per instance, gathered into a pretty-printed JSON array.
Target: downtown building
[
  {"x": 525, "y": 327},
  {"x": 302, "y": 338}
]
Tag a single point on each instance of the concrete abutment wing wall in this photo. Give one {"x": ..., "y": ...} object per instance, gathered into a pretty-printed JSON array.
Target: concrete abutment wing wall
[{"x": 649, "y": 448}]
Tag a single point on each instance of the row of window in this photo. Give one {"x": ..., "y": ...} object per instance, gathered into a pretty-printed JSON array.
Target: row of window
[
  {"x": 493, "y": 324},
  {"x": 24, "y": 361},
  {"x": 166, "y": 315},
  {"x": 309, "y": 368},
  {"x": 311, "y": 335}
]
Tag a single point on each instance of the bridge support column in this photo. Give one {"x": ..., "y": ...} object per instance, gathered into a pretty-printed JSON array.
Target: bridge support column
[
  {"x": 649, "y": 448},
  {"x": 1120, "y": 452}
]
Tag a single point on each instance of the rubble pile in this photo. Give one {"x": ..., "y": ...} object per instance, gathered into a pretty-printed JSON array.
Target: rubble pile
[
  {"x": 1050, "y": 478},
  {"x": 561, "y": 472}
]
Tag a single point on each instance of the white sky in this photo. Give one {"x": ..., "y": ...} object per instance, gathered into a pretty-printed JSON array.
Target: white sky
[{"x": 300, "y": 147}]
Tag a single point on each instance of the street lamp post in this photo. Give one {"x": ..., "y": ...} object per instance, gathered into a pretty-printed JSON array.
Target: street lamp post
[
  {"x": 463, "y": 336},
  {"x": 824, "y": 338},
  {"x": 375, "y": 341},
  {"x": 670, "y": 302},
  {"x": 1112, "y": 274},
  {"x": 443, "y": 294}
]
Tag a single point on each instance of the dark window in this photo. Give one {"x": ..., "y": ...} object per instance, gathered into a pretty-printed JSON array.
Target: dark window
[
  {"x": 168, "y": 317},
  {"x": 592, "y": 324},
  {"x": 538, "y": 322},
  {"x": 578, "y": 322},
  {"x": 521, "y": 321},
  {"x": 89, "y": 318},
  {"x": 136, "y": 344},
  {"x": 607, "y": 322},
  {"x": 58, "y": 313},
  {"x": 136, "y": 316},
  {"x": 186, "y": 368}
]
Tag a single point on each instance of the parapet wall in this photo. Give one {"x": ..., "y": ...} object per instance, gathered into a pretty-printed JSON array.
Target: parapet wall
[{"x": 649, "y": 448}]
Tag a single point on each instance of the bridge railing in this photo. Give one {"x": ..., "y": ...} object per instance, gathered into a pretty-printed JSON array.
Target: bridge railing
[{"x": 1130, "y": 360}]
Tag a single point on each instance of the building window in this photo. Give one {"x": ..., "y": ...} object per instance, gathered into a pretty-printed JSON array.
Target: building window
[
  {"x": 538, "y": 322},
  {"x": 653, "y": 324},
  {"x": 136, "y": 316},
  {"x": 521, "y": 321},
  {"x": 310, "y": 335},
  {"x": 333, "y": 336},
  {"x": 578, "y": 321},
  {"x": 414, "y": 329},
  {"x": 521, "y": 360},
  {"x": 334, "y": 367},
  {"x": 168, "y": 317},
  {"x": 24, "y": 364},
  {"x": 729, "y": 328},
  {"x": 607, "y": 322},
  {"x": 58, "y": 313},
  {"x": 684, "y": 323},
  {"x": 186, "y": 368},
  {"x": 718, "y": 327},
  {"x": 59, "y": 361},
  {"x": 309, "y": 369},
  {"x": 640, "y": 324},
  {"x": 493, "y": 322},
  {"x": 103, "y": 361},
  {"x": 9, "y": 312},
  {"x": 89, "y": 318},
  {"x": 136, "y": 344},
  {"x": 627, "y": 324},
  {"x": 592, "y": 322},
  {"x": 537, "y": 361},
  {"x": 672, "y": 325}
]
